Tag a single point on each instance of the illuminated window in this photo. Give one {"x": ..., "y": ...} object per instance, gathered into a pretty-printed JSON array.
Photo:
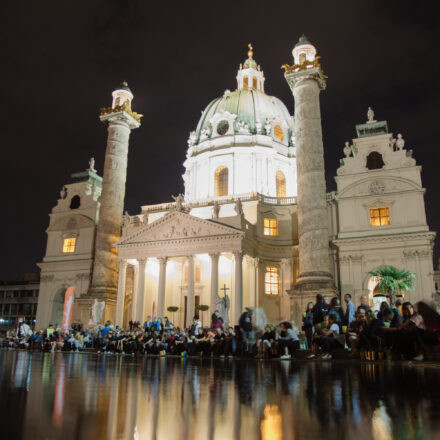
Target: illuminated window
[
  {"x": 245, "y": 83},
  {"x": 272, "y": 281},
  {"x": 254, "y": 83},
  {"x": 279, "y": 133},
  {"x": 69, "y": 245},
  {"x": 281, "y": 184},
  {"x": 302, "y": 58},
  {"x": 221, "y": 181},
  {"x": 379, "y": 216},
  {"x": 270, "y": 226}
]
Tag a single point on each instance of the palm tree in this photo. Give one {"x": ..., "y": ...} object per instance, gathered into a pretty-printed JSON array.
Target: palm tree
[{"x": 391, "y": 280}]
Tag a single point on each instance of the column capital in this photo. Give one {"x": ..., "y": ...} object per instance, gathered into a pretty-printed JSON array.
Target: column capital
[
  {"x": 122, "y": 262},
  {"x": 142, "y": 261},
  {"x": 238, "y": 254},
  {"x": 162, "y": 260},
  {"x": 190, "y": 257},
  {"x": 214, "y": 254}
]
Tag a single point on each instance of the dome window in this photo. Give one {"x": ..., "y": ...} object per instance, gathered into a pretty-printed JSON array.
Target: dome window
[
  {"x": 281, "y": 184},
  {"x": 254, "y": 83},
  {"x": 279, "y": 133},
  {"x": 245, "y": 83},
  {"x": 222, "y": 127},
  {"x": 221, "y": 181}
]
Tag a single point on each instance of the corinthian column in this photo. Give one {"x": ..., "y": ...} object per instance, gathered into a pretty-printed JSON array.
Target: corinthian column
[
  {"x": 214, "y": 281},
  {"x": 161, "y": 286},
  {"x": 121, "y": 292},
  {"x": 190, "y": 296},
  {"x": 306, "y": 80},
  {"x": 120, "y": 120},
  {"x": 238, "y": 293}
]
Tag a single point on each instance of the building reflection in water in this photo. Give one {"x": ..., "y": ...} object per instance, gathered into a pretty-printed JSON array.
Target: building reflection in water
[{"x": 107, "y": 397}]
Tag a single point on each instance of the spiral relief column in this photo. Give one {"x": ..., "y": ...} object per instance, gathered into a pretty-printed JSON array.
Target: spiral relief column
[
  {"x": 120, "y": 120},
  {"x": 306, "y": 80}
]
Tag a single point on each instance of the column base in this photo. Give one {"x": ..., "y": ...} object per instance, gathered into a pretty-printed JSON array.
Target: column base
[
  {"x": 85, "y": 302},
  {"x": 309, "y": 284}
]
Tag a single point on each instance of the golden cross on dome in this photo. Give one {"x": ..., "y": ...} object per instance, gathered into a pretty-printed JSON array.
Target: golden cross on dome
[{"x": 250, "y": 53}]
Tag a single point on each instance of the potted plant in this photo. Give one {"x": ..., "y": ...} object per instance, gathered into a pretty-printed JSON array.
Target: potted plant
[
  {"x": 202, "y": 308},
  {"x": 392, "y": 280},
  {"x": 173, "y": 309}
]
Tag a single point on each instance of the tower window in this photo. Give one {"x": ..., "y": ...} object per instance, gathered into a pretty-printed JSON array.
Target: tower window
[
  {"x": 75, "y": 202},
  {"x": 254, "y": 82},
  {"x": 302, "y": 57},
  {"x": 375, "y": 161},
  {"x": 221, "y": 181},
  {"x": 272, "y": 281},
  {"x": 271, "y": 227},
  {"x": 279, "y": 133},
  {"x": 281, "y": 184},
  {"x": 245, "y": 83},
  {"x": 379, "y": 216},
  {"x": 69, "y": 245},
  {"x": 222, "y": 127}
]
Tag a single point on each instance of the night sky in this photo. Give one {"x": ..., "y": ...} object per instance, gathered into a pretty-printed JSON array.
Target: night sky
[{"x": 62, "y": 59}]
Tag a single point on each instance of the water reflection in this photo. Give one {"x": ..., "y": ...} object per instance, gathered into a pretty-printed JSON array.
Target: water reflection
[{"x": 53, "y": 396}]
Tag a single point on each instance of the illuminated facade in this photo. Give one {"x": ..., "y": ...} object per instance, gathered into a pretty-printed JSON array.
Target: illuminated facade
[{"x": 255, "y": 221}]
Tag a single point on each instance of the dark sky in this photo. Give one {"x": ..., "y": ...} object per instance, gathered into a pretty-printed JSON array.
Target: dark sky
[{"x": 62, "y": 59}]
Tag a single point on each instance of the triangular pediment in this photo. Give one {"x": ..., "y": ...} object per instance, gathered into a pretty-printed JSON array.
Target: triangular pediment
[{"x": 177, "y": 225}]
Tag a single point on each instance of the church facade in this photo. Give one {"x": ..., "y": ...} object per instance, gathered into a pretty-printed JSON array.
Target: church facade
[{"x": 239, "y": 236}]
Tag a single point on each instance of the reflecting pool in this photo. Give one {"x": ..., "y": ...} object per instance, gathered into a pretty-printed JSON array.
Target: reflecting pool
[{"x": 86, "y": 396}]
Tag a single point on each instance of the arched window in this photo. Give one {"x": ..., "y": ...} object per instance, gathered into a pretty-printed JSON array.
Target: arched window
[
  {"x": 302, "y": 57},
  {"x": 221, "y": 181},
  {"x": 281, "y": 184},
  {"x": 75, "y": 202},
  {"x": 375, "y": 161},
  {"x": 245, "y": 83},
  {"x": 254, "y": 82}
]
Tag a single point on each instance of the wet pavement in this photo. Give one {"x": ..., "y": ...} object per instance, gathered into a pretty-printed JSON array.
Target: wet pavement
[{"x": 90, "y": 396}]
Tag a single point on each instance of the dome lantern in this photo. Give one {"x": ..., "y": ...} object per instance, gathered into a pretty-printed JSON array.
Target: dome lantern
[
  {"x": 121, "y": 95},
  {"x": 250, "y": 76}
]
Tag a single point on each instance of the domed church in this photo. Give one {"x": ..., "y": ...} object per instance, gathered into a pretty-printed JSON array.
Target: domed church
[{"x": 254, "y": 227}]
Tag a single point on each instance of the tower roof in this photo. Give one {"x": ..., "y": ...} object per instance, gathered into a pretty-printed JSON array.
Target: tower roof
[
  {"x": 123, "y": 86},
  {"x": 302, "y": 40}
]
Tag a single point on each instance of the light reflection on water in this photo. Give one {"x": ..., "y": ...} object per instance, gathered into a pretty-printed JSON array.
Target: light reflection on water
[{"x": 79, "y": 396}]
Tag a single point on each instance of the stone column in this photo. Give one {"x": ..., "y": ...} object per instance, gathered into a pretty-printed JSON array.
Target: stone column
[
  {"x": 121, "y": 292},
  {"x": 105, "y": 266},
  {"x": 285, "y": 311},
  {"x": 190, "y": 294},
  {"x": 306, "y": 84},
  {"x": 161, "y": 286},
  {"x": 140, "y": 293},
  {"x": 238, "y": 291},
  {"x": 214, "y": 281},
  {"x": 134, "y": 293}
]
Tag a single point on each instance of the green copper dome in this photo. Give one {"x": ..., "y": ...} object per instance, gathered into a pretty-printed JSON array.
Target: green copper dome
[
  {"x": 302, "y": 40},
  {"x": 250, "y": 106}
]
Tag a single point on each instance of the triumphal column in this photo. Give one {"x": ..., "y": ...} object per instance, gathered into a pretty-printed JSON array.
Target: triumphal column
[
  {"x": 120, "y": 120},
  {"x": 306, "y": 79}
]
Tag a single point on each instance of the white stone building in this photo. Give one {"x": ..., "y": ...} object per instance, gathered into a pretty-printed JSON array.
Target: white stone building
[{"x": 235, "y": 230}]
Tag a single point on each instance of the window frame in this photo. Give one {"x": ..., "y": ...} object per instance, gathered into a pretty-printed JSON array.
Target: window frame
[
  {"x": 270, "y": 227},
  {"x": 384, "y": 219},
  {"x": 66, "y": 245},
  {"x": 272, "y": 278}
]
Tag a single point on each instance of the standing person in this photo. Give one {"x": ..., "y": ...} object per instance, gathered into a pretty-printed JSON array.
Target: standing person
[
  {"x": 196, "y": 325},
  {"x": 245, "y": 323},
  {"x": 320, "y": 309},
  {"x": 335, "y": 307},
  {"x": 363, "y": 304},
  {"x": 308, "y": 324},
  {"x": 146, "y": 325},
  {"x": 350, "y": 310}
]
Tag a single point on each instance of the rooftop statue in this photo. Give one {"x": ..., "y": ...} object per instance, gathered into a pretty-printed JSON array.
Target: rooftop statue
[
  {"x": 370, "y": 115},
  {"x": 400, "y": 142},
  {"x": 179, "y": 202},
  {"x": 92, "y": 165}
]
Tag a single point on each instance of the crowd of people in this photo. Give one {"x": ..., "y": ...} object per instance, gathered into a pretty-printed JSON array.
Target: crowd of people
[{"x": 402, "y": 331}]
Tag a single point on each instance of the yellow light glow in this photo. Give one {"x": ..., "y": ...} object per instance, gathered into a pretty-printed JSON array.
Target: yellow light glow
[
  {"x": 280, "y": 184},
  {"x": 272, "y": 281},
  {"x": 69, "y": 245},
  {"x": 379, "y": 216},
  {"x": 271, "y": 426},
  {"x": 270, "y": 226}
]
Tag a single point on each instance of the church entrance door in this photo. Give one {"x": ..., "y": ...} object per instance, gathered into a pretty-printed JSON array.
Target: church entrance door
[{"x": 196, "y": 303}]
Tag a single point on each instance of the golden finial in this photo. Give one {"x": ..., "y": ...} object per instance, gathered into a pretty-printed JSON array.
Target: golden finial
[{"x": 250, "y": 53}]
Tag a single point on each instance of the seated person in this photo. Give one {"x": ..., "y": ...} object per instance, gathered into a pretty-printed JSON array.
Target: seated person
[
  {"x": 287, "y": 340},
  {"x": 330, "y": 338},
  {"x": 265, "y": 341}
]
